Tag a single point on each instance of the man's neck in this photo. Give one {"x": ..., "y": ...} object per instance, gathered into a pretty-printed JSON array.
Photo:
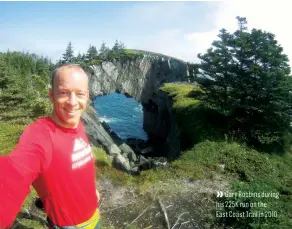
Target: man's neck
[{"x": 57, "y": 121}]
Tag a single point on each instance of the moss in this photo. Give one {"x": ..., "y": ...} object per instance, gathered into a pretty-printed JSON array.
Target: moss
[
  {"x": 101, "y": 157},
  {"x": 116, "y": 176},
  {"x": 196, "y": 123}
]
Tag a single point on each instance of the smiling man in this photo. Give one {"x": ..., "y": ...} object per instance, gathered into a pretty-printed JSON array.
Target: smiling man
[
  {"x": 54, "y": 155},
  {"x": 69, "y": 94}
]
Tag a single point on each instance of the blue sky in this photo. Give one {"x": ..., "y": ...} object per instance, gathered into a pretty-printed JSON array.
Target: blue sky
[{"x": 180, "y": 29}]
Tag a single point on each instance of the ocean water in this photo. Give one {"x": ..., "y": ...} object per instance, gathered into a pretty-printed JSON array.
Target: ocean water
[{"x": 123, "y": 115}]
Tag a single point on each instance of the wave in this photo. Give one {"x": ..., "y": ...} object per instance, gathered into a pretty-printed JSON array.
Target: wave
[
  {"x": 139, "y": 108},
  {"x": 108, "y": 120}
]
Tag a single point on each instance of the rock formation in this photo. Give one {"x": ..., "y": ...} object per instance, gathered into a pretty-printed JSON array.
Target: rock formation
[{"x": 140, "y": 78}]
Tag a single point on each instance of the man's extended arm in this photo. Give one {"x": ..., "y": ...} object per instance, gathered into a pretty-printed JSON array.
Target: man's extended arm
[
  {"x": 13, "y": 190},
  {"x": 17, "y": 172}
]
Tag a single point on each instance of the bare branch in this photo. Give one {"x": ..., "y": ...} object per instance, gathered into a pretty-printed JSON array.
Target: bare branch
[
  {"x": 178, "y": 219},
  {"x": 165, "y": 213},
  {"x": 140, "y": 214},
  {"x": 183, "y": 223}
]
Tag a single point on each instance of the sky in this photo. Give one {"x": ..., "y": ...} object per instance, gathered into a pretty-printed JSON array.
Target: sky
[{"x": 178, "y": 29}]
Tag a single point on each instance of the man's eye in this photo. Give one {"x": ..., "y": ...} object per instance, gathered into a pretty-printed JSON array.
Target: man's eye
[
  {"x": 64, "y": 93},
  {"x": 81, "y": 94}
]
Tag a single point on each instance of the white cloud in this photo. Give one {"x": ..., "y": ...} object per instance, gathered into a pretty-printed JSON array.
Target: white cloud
[
  {"x": 185, "y": 43},
  {"x": 272, "y": 16},
  {"x": 169, "y": 26}
]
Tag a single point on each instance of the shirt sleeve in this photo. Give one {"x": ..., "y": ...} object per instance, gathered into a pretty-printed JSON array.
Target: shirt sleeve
[{"x": 20, "y": 168}]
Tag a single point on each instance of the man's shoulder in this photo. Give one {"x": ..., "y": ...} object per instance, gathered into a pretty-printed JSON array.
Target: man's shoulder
[
  {"x": 41, "y": 124},
  {"x": 38, "y": 131}
]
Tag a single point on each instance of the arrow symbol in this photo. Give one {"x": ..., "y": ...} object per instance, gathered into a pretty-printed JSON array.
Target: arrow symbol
[{"x": 219, "y": 194}]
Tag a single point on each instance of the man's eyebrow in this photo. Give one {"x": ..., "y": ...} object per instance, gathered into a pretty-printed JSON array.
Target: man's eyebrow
[
  {"x": 62, "y": 88},
  {"x": 67, "y": 89}
]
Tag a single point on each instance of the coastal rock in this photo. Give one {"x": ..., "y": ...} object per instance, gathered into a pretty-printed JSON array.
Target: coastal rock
[
  {"x": 121, "y": 163},
  {"x": 144, "y": 163},
  {"x": 141, "y": 79},
  {"x": 114, "y": 150},
  {"x": 95, "y": 131},
  {"x": 128, "y": 152},
  {"x": 123, "y": 157},
  {"x": 147, "y": 150},
  {"x": 161, "y": 126}
]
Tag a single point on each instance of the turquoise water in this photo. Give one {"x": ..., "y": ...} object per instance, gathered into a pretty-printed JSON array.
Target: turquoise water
[{"x": 123, "y": 115}]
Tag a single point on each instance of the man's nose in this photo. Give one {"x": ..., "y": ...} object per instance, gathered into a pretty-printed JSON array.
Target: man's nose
[{"x": 72, "y": 99}]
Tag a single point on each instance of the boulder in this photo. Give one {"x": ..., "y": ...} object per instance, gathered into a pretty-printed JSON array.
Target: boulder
[
  {"x": 144, "y": 163},
  {"x": 128, "y": 152},
  {"x": 121, "y": 163},
  {"x": 147, "y": 150},
  {"x": 114, "y": 150}
]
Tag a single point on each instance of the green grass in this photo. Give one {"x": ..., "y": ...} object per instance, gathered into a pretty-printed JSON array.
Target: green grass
[
  {"x": 101, "y": 156},
  {"x": 132, "y": 52},
  {"x": 9, "y": 135},
  {"x": 196, "y": 123}
]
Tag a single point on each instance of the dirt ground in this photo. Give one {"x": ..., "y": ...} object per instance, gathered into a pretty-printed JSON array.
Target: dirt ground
[
  {"x": 172, "y": 204},
  {"x": 175, "y": 204}
]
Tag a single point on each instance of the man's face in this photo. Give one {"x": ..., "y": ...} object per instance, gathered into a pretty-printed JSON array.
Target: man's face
[{"x": 69, "y": 96}]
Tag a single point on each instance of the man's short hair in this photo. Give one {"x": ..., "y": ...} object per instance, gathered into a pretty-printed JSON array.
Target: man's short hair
[{"x": 69, "y": 66}]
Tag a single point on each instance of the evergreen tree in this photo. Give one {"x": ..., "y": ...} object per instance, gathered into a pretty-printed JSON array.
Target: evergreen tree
[
  {"x": 21, "y": 88},
  {"x": 4, "y": 79},
  {"x": 118, "y": 46},
  {"x": 68, "y": 56},
  {"x": 78, "y": 59},
  {"x": 91, "y": 53},
  {"x": 118, "y": 49},
  {"x": 245, "y": 76},
  {"x": 103, "y": 51}
]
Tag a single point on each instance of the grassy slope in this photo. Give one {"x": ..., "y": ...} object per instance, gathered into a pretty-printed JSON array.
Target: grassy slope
[{"x": 253, "y": 171}]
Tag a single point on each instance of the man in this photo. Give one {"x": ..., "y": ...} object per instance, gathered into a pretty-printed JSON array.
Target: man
[{"x": 54, "y": 155}]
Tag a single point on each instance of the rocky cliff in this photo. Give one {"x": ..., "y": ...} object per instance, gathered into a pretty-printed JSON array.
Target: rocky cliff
[{"x": 141, "y": 78}]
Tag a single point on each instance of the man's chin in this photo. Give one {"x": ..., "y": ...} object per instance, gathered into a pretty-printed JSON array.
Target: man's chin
[{"x": 72, "y": 122}]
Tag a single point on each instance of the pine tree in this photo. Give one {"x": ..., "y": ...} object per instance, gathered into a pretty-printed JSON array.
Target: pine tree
[
  {"x": 68, "y": 56},
  {"x": 103, "y": 51},
  {"x": 246, "y": 78},
  {"x": 79, "y": 58},
  {"x": 91, "y": 53},
  {"x": 21, "y": 87},
  {"x": 4, "y": 78},
  {"x": 118, "y": 47}
]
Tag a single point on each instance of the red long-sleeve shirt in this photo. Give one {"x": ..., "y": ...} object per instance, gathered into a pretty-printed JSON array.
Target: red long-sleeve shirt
[{"x": 58, "y": 162}]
